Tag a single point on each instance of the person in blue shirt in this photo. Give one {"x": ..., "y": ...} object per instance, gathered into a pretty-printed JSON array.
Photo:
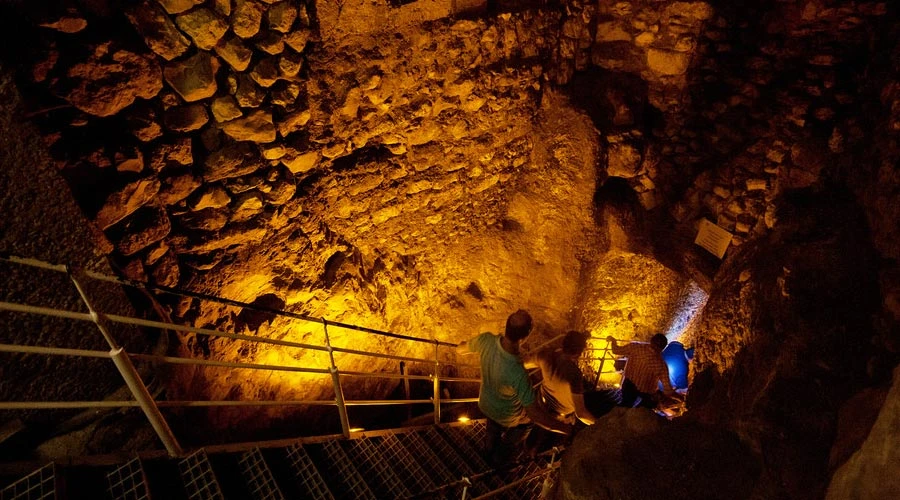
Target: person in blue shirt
[{"x": 677, "y": 358}]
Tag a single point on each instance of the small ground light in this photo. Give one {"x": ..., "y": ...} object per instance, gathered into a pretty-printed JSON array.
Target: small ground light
[
  {"x": 357, "y": 429},
  {"x": 616, "y": 385},
  {"x": 463, "y": 419}
]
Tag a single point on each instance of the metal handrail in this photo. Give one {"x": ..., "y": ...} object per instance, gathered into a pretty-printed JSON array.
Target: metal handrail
[
  {"x": 212, "y": 298},
  {"x": 151, "y": 407},
  {"x": 467, "y": 481}
]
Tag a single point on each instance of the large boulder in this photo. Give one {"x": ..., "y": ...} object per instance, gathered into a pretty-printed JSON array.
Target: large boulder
[
  {"x": 872, "y": 471},
  {"x": 784, "y": 339},
  {"x": 632, "y": 454},
  {"x": 193, "y": 78},
  {"x": 157, "y": 29},
  {"x": 126, "y": 201},
  {"x": 108, "y": 82}
]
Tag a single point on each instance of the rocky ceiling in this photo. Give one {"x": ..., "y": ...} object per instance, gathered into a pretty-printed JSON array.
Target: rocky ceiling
[{"x": 429, "y": 166}]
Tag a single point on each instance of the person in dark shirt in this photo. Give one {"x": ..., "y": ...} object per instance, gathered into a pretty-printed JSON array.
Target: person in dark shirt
[
  {"x": 562, "y": 388},
  {"x": 561, "y": 391}
]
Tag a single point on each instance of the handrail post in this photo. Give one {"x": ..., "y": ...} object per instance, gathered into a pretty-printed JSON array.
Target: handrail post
[
  {"x": 405, "y": 373},
  {"x": 437, "y": 386},
  {"x": 466, "y": 483},
  {"x": 148, "y": 405},
  {"x": 600, "y": 369},
  {"x": 547, "y": 486},
  {"x": 338, "y": 389},
  {"x": 132, "y": 377}
]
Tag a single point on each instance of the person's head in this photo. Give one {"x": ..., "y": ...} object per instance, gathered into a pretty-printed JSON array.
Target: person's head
[
  {"x": 518, "y": 325},
  {"x": 659, "y": 342},
  {"x": 575, "y": 342}
]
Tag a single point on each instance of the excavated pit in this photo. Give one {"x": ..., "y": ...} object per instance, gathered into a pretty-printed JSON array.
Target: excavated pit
[{"x": 427, "y": 167}]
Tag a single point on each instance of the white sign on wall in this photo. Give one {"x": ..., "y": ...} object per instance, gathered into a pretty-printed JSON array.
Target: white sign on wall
[{"x": 713, "y": 238}]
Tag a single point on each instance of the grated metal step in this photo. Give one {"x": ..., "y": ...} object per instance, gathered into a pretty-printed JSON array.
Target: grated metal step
[
  {"x": 307, "y": 476},
  {"x": 372, "y": 465},
  {"x": 39, "y": 485},
  {"x": 256, "y": 473},
  {"x": 199, "y": 479},
  {"x": 405, "y": 465},
  {"x": 459, "y": 438},
  {"x": 475, "y": 433},
  {"x": 452, "y": 458},
  {"x": 427, "y": 458},
  {"x": 342, "y": 474},
  {"x": 128, "y": 482},
  {"x": 529, "y": 489}
]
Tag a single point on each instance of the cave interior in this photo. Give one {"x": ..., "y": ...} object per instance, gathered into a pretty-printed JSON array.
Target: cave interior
[{"x": 725, "y": 173}]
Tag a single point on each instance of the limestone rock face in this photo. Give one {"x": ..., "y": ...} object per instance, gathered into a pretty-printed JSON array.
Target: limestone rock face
[
  {"x": 869, "y": 473},
  {"x": 234, "y": 52},
  {"x": 256, "y": 127},
  {"x": 282, "y": 16},
  {"x": 157, "y": 29},
  {"x": 185, "y": 118},
  {"x": 247, "y": 18},
  {"x": 193, "y": 78},
  {"x": 624, "y": 158},
  {"x": 107, "y": 83},
  {"x": 430, "y": 178},
  {"x": 70, "y": 23},
  {"x": 124, "y": 202},
  {"x": 225, "y": 108},
  {"x": 834, "y": 293},
  {"x": 143, "y": 229},
  {"x": 178, "y": 6},
  {"x": 203, "y": 26},
  {"x": 214, "y": 197},
  {"x": 177, "y": 188},
  {"x": 231, "y": 161}
]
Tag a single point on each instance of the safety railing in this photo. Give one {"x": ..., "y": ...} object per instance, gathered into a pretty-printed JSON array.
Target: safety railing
[
  {"x": 604, "y": 363},
  {"x": 465, "y": 484},
  {"x": 151, "y": 407}
]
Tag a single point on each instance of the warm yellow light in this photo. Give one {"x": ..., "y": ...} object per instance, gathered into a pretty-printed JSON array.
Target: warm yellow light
[
  {"x": 616, "y": 385},
  {"x": 463, "y": 419},
  {"x": 357, "y": 429}
]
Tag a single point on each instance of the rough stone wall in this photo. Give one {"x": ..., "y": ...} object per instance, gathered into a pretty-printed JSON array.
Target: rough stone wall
[
  {"x": 751, "y": 100},
  {"x": 232, "y": 143},
  {"x": 787, "y": 338},
  {"x": 655, "y": 41},
  {"x": 406, "y": 180},
  {"x": 793, "y": 91}
]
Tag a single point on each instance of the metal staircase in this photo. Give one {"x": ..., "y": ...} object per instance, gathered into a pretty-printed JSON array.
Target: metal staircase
[
  {"x": 443, "y": 460},
  {"x": 433, "y": 462}
]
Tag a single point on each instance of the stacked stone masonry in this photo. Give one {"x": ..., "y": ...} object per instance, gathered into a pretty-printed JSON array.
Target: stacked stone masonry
[
  {"x": 232, "y": 124},
  {"x": 723, "y": 126},
  {"x": 238, "y": 121}
]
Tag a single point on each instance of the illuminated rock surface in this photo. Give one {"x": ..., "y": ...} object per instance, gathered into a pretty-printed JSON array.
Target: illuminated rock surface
[{"x": 413, "y": 167}]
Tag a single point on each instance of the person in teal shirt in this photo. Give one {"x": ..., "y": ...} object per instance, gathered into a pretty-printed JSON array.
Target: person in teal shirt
[{"x": 506, "y": 397}]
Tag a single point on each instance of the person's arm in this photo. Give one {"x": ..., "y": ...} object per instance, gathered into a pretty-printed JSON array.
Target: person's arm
[
  {"x": 581, "y": 411},
  {"x": 469, "y": 346},
  {"x": 614, "y": 345},
  {"x": 668, "y": 390},
  {"x": 530, "y": 360},
  {"x": 540, "y": 417}
]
